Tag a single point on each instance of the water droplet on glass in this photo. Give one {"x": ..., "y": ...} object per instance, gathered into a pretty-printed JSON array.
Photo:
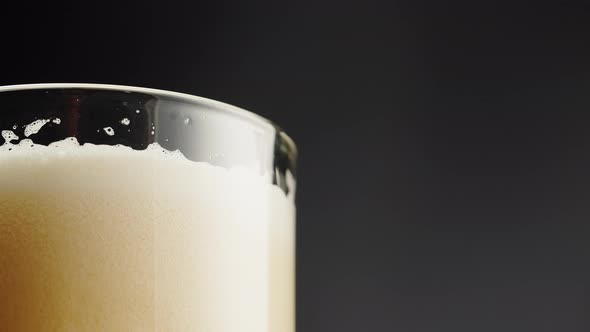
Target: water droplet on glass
[
  {"x": 188, "y": 121},
  {"x": 125, "y": 121}
]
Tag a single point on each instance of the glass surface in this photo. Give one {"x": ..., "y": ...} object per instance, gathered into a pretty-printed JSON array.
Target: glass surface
[{"x": 132, "y": 209}]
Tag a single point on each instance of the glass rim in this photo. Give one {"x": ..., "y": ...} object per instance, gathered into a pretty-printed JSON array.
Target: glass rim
[{"x": 215, "y": 104}]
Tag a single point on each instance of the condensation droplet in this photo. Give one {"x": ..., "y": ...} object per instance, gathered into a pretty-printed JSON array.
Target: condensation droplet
[
  {"x": 14, "y": 127},
  {"x": 188, "y": 121},
  {"x": 153, "y": 132},
  {"x": 125, "y": 121},
  {"x": 56, "y": 120},
  {"x": 109, "y": 131},
  {"x": 137, "y": 111}
]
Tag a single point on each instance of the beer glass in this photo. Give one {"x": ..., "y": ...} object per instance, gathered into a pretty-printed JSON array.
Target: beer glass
[{"x": 133, "y": 209}]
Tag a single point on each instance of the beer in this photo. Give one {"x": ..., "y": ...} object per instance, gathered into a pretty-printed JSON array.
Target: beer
[{"x": 107, "y": 238}]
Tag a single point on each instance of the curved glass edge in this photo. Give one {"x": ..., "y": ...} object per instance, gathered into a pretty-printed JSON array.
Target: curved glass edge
[{"x": 288, "y": 146}]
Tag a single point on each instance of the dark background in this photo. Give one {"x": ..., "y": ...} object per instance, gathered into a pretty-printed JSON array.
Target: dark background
[{"x": 445, "y": 145}]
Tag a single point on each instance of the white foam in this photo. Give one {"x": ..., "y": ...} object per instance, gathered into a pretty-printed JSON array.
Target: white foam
[
  {"x": 34, "y": 127},
  {"x": 109, "y": 131},
  {"x": 9, "y": 136}
]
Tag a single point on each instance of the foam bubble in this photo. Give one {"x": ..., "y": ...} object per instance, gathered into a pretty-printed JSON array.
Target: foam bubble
[
  {"x": 34, "y": 127},
  {"x": 109, "y": 131},
  {"x": 9, "y": 136}
]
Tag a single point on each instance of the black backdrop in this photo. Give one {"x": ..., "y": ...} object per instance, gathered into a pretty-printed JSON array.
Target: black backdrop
[{"x": 445, "y": 145}]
